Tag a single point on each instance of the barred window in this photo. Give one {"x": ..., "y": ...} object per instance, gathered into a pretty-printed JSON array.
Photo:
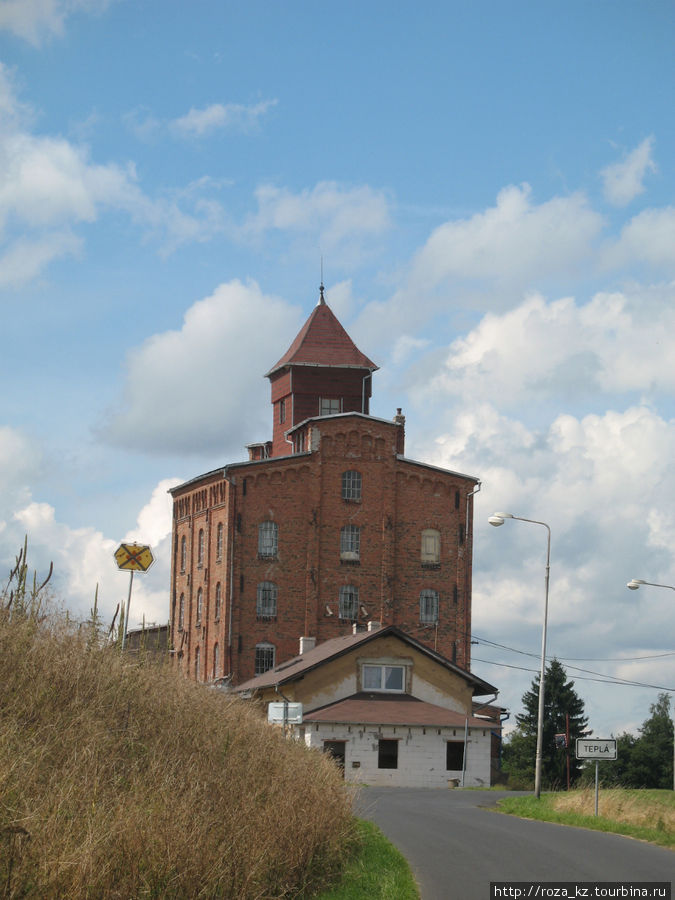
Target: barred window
[
  {"x": 351, "y": 485},
  {"x": 264, "y": 658},
  {"x": 219, "y": 541},
  {"x": 216, "y": 659},
  {"x": 200, "y": 605},
  {"x": 200, "y": 548},
  {"x": 348, "y": 605},
  {"x": 431, "y": 546},
  {"x": 218, "y": 601},
  {"x": 350, "y": 542},
  {"x": 181, "y": 612},
  {"x": 429, "y": 606},
  {"x": 266, "y": 601},
  {"x": 197, "y": 665},
  {"x": 268, "y": 539},
  {"x": 183, "y": 553}
]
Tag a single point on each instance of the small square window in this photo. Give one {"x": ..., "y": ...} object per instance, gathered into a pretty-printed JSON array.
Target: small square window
[{"x": 330, "y": 406}]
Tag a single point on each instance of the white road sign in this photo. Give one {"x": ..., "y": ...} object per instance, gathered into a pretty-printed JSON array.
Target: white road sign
[{"x": 596, "y": 748}]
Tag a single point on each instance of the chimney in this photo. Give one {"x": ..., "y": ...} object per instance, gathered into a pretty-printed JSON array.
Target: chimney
[
  {"x": 374, "y": 626},
  {"x": 307, "y": 643},
  {"x": 357, "y": 629},
  {"x": 400, "y": 437}
]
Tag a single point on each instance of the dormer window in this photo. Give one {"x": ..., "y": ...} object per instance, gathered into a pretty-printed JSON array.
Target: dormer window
[{"x": 383, "y": 678}]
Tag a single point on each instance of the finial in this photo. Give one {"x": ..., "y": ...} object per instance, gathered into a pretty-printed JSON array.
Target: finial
[{"x": 322, "y": 302}]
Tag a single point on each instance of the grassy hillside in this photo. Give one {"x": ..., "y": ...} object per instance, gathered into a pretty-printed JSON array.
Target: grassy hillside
[{"x": 119, "y": 778}]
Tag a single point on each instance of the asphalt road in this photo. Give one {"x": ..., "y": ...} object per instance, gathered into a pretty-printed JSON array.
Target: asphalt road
[{"x": 456, "y": 845}]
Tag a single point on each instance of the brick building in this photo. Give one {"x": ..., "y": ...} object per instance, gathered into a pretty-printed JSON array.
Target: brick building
[{"x": 324, "y": 528}]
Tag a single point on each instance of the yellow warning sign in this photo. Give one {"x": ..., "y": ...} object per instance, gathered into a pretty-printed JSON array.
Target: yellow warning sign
[{"x": 134, "y": 557}]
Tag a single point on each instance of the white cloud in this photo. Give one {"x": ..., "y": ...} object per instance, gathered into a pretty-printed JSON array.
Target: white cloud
[
  {"x": 337, "y": 218},
  {"x": 49, "y": 186},
  {"x": 623, "y": 181},
  {"x": 514, "y": 240},
  {"x": 37, "y": 20},
  {"x": 212, "y": 369},
  {"x": 647, "y": 238},
  {"x": 221, "y": 116},
  {"x": 538, "y": 351}
]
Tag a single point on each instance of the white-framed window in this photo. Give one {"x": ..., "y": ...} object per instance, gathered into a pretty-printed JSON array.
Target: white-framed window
[
  {"x": 200, "y": 548},
  {"x": 218, "y": 601},
  {"x": 431, "y": 546},
  {"x": 348, "y": 602},
  {"x": 216, "y": 659},
  {"x": 330, "y": 406},
  {"x": 351, "y": 485},
  {"x": 183, "y": 553},
  {"x": 268, "y": 534},
  {"x": 350, "y": 542},
  {"x": 266, "y": 600},
  {"x": 382, "y": 677},
  {"x": 264, "y": 657},
  {"x": 200, "y": 606},
  {"x": 220, "y": 532},
  {"x": 181, "y": 612},
  {"x": 429, "y": 606},
  {"x": 197, "y": 665}
]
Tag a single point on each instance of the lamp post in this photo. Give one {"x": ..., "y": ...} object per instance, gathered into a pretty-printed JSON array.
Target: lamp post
[
  {"x": 498, "y": 519},
  {"x": 633, "y": 585}
]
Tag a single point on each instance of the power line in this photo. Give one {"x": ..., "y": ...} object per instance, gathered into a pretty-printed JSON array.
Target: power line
[{"x": 575, "y": 658}]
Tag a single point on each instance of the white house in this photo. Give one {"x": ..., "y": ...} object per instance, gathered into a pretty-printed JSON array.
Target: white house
[{"x": 391, "y": 710}]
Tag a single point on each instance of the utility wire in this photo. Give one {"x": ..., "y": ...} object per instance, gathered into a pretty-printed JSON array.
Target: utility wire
[{"x": 602, "y": 679}]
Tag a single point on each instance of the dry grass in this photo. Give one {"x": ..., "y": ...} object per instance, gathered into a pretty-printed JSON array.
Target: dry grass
[
  {"x": 118, "y": 778},
  {"x": 643, "y": 808}
]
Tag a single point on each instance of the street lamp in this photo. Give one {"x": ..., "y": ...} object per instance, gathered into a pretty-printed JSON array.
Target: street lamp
[
  {"x": 633, "y": 585},
  {"x": 498, "y": 519}
]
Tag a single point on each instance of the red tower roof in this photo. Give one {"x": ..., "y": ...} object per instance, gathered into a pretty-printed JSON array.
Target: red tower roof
[{"x": 322, "y": 341}]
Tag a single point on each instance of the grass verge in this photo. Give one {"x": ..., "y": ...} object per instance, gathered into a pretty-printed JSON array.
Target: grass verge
[
  {"x": 376, "y": 871},
  {"x": 647, "y": 815}
]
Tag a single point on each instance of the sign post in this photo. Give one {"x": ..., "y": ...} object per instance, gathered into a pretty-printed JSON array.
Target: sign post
[
  {"x": 597, "y": 749},
  {"x": 132, "y": 558}
]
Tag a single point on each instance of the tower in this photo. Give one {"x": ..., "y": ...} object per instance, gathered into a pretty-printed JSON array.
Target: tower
[{"x": 323, "y": 528}]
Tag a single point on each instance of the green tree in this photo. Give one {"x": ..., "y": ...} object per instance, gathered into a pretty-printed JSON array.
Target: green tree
[
  {"x": 650, "y": 763},
  {"x": 560, "y": 700}
]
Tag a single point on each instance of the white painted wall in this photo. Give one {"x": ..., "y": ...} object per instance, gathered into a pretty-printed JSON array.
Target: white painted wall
[{"x": 421, "y": 754}]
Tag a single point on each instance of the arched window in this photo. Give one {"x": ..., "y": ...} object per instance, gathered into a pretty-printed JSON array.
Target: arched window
[
  {"x": 218, "y": 601},
  {"x": 431, "y": 546},
  {"x": 183, "y": 553},
  {"x": 200, "y": 548},
  {"x": 348, "y": 605},
  {"x": 350, "y": 542},
  {"x": 351, "y": 485},
  {"x": 429, "y": 606},
  {"x": 216, "y": 659},
  {"x": 268, "y": 539},
  {"x": 219, "y": 540},
  {"x": 266, "y": 600},
  {"x": 181, "y": 612},
  {"x": 264, "y": 657},
  {"x": 197, "y": 669},
  {"x": 200, "y": 604}
]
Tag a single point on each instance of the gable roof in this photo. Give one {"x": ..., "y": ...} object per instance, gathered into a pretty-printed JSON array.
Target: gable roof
[
  {"x": 322, "y": 341},
  {"x": 296, "y": 668},
  {"x": 369, "y": 708}
]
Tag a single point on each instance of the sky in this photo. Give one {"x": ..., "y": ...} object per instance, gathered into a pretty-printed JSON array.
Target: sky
[{"x": 489, "y": 188}]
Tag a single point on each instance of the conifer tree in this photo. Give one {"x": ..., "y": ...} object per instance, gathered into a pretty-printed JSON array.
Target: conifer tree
[{"x": 560, "y": 700}]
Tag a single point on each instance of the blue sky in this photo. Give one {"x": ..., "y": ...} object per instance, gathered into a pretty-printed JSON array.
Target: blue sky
[{"x": 491, "y": 189}]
